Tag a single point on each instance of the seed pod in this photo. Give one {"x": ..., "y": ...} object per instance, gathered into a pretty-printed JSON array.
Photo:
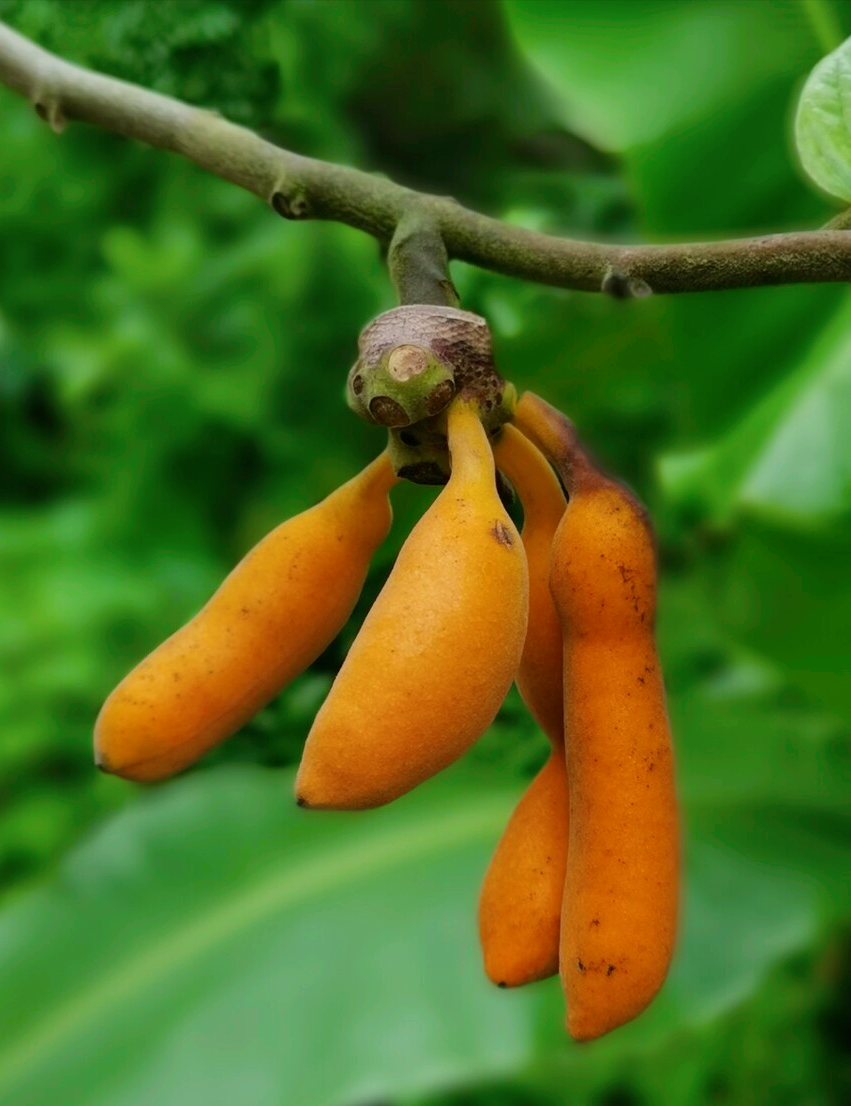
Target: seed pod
[
  {"x": 539, "y": 677},
  {"x": 621, "y": 895},
  {"x": 437, "y": 652},
  {"x": 520, "y": 903},
  {"x": 270, "y": 619},
  {"x": 521, "y": 900}
]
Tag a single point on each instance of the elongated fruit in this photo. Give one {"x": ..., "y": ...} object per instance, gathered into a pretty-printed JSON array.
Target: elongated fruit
[
  {"x": 621, "y": 895},
  {"x": 520, "y": 903},
  {"x": 437, "y": 652},
  {"x": 539, "y": 677},
  {"x": 273, "y": 615}
]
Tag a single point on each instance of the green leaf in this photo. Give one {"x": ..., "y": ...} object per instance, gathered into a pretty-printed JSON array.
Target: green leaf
[
  {"x": 215, "y": 931},
  {"x": 665, "y": 85},
  {"x": 823, "y": 123},
  {"x": 788, "y": 595},
  {"x": 789, "y": 459},
  {"x": 631, "y": 71},
  {"x": 213, "y": 937}
]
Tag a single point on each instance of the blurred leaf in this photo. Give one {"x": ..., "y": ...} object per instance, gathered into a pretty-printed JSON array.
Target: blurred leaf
[
  {"x": 215, "y": 930},
  {"x": 215, "y": 936},
  {"x": 200, "y": 50},
  {"x": 450, "y": 105},
  {"x": 755, "y": 751},
  {"x": 678, "y": 60},
  {"x": 689, "y": 93},
  {"x": 790, "y": 459},
  {"x": 822, "y": 128},
  {"x": 788, "y": 595}
]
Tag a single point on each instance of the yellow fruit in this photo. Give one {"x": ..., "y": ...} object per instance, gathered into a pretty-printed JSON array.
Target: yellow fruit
[
  {"x": 539, "y": 677},
  {"x": 273, "y": 615},
  {"x": 520, "y": 903},
  {"x": 621, "y": 895},
  {"x": 437, "y": 652}
]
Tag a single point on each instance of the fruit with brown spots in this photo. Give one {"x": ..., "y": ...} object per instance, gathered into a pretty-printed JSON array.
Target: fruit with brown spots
[
  {"x": 273, "y": 615},
  {"x": 520, "y": 903},
  {"x": 438, "y": 651},
  {"x": 621, "y": 896}
]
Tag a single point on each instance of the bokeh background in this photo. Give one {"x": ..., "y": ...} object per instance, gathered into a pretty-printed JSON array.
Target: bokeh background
[{"x": 172, "y": 361}]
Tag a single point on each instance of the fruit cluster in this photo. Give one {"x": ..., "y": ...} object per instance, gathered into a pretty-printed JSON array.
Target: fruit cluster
[{"x": 585, "y": 877}]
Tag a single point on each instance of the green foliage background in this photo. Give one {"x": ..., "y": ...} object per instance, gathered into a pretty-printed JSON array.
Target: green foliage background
[{"x": 172, "y": 358}]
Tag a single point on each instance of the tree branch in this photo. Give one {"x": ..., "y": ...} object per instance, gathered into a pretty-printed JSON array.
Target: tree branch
[
  {"x": 418, "y": 262},
  {"x": 304, "y": 188}
]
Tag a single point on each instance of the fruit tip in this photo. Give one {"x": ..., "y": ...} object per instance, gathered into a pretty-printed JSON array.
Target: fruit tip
[
  {"x": 582, "y": 1033},
  {"x": 502, "y": 972}
]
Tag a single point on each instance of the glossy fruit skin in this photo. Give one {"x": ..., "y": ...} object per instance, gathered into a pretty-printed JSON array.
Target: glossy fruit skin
[
  {"x": 521, "y": 898},
  {"x": 437, "y": 653},
  {"x": 539, "y": 676},
  {"x": 621, "y": 896},
  {"x": 272, "y": 616}
]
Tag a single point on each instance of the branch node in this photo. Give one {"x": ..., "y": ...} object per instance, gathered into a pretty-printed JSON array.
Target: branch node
[
  {"x": 291, "y": 207},
  {"x": 842, "y": 221},
  {"x": 48, "y": 108},
  {"x": 623, "y": 287},
  {"x": 387, "y": 412}
]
